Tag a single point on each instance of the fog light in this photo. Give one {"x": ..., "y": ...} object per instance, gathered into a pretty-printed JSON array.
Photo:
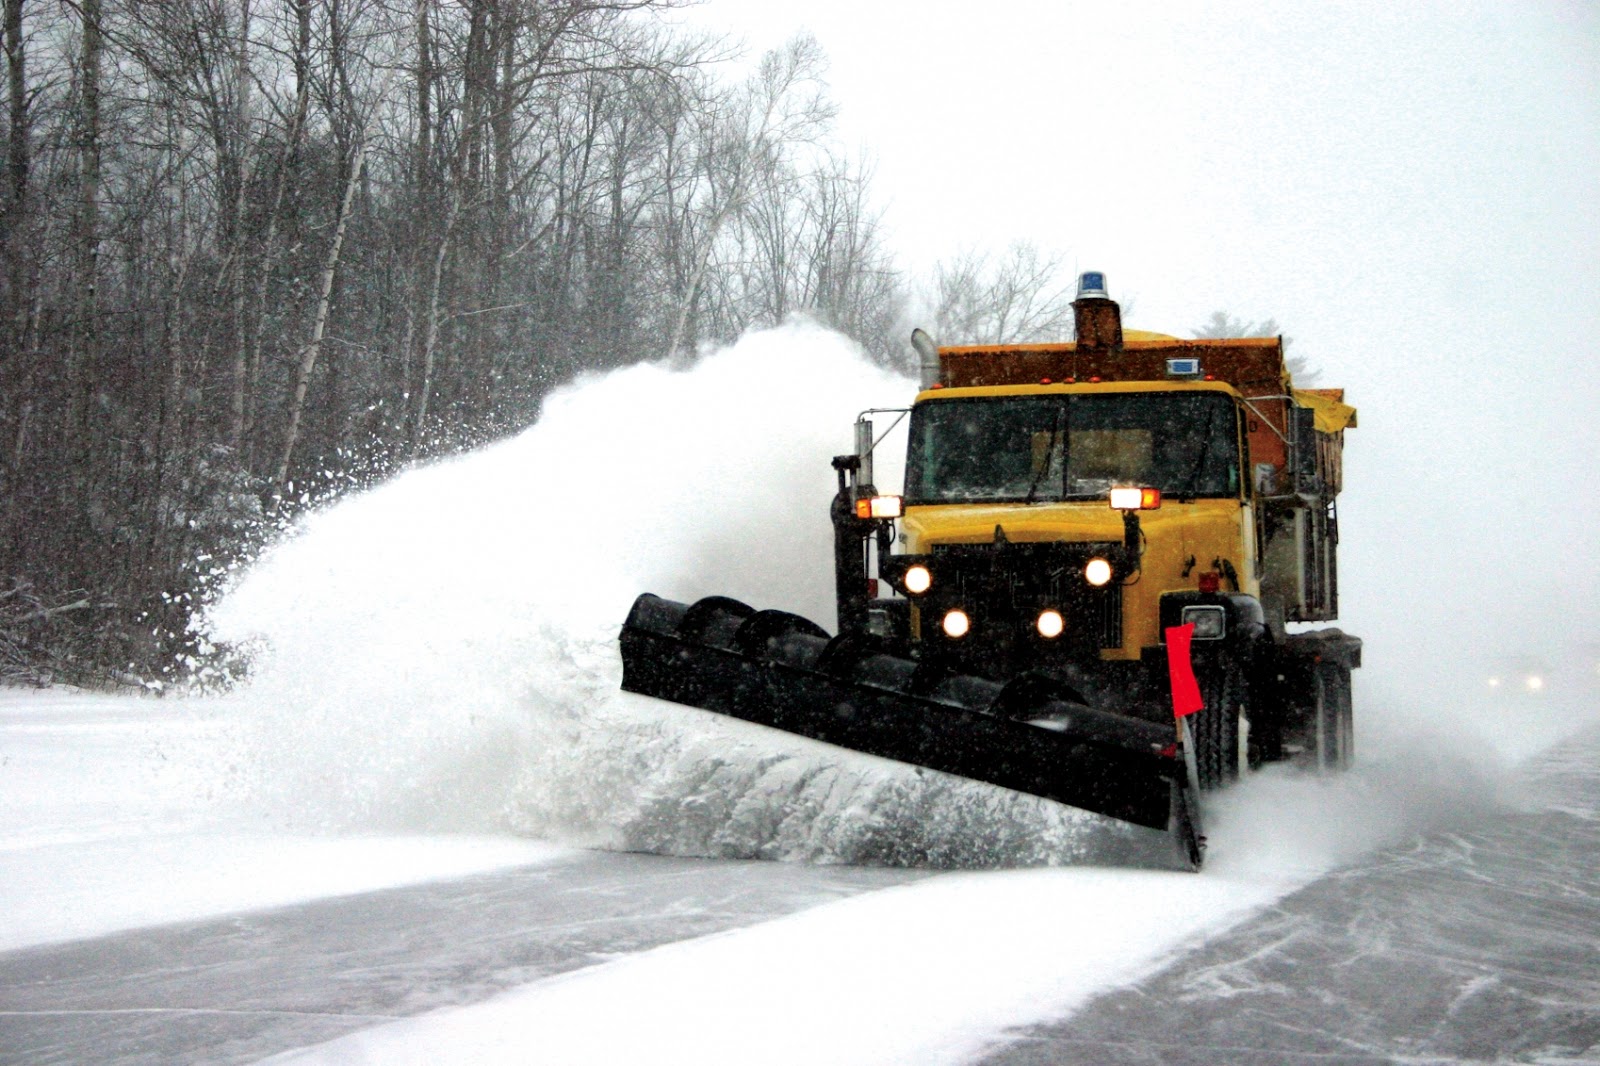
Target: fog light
[
  {"x": 1210, "y": 622},
  {"x": 956, "y": 624},
  {"x": 1050, "y": 624},
  {"x": 1097, "y": 572},
  {"x": 918, "y": 579}
]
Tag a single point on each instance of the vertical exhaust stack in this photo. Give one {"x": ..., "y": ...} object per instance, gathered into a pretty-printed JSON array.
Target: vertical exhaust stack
[
  {"x": 927, "y": 350},
  {"x": 1096, "y": 315}
]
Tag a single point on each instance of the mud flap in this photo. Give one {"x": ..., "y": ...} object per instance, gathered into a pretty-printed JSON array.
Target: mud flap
[{"x": 780, "y": 670}]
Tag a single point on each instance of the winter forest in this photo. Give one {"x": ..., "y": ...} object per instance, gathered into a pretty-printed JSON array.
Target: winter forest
[{"x": 258, "y": 252}]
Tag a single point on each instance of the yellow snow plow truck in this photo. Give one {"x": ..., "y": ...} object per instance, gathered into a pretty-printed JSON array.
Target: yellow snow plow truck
[{"x": 1085, "y": 591}]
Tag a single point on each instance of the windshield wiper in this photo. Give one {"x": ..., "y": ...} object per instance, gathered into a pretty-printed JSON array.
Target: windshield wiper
[
  {"x": 1188, "y": 490},
  {"x": 1049, "y": 456}
]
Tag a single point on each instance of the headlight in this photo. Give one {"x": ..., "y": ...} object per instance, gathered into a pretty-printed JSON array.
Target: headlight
[
  {"x": 1097, "y": 572},
  {"x": 1135, "y": 499},
  {"x": 1210, "y": 621},
  {"x": 918, "y": 579},
  {"x": 956, "y": 624},
  {"x": 1050, "y": 624}
]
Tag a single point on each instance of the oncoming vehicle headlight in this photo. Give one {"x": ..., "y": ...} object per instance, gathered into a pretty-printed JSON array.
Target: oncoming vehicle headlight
[
  {"x": 1050, "y": 624},
  {"x": 1097, "y": 571},
  {"x": 1210, "y": 621},
  {"x": 956, "y": 624},
  {"x": 918, "y": 579}
]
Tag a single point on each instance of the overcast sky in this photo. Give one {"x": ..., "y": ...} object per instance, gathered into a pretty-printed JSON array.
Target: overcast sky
[{"x": 1412, "y": 190}]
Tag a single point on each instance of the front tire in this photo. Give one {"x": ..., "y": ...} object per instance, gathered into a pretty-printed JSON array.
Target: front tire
[{"x": 1219, "y": 747}]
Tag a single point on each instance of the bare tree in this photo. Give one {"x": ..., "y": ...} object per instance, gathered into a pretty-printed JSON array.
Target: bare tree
[
  {"x": 286, "y": 168},
  {"x": 14, "y": 210},
  {"x": 1021, "y": 298},
  {"x": 313, "y": 347},
  {"x": 850, "y": 277},
  {"x": 87, "y": 232},
  {"x": 16, "y": 219},
  {"x": 357, "y": 118},
  {"x": 232, "y": 259},
  {"x": 782, "y": 105},
  {"x": 1222, "y": 325}
]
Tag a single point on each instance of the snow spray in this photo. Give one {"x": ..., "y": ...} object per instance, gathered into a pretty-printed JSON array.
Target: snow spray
[{"x": 440, "y": 653}]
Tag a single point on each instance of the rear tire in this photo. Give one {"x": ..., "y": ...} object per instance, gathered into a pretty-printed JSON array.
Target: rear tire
[{"x": 1333, "y": 724}]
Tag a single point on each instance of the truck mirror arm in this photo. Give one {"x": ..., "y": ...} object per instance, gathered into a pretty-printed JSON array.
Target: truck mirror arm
[
  {"x": 1132, "y": 539},
  {"x": 846, "y": 464}
]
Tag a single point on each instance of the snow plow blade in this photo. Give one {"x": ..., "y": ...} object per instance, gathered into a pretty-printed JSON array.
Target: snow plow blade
[{"x": 780, "y": 670}]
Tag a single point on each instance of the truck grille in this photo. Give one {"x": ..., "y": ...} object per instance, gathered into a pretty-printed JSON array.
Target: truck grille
[{"x": 1004, "y": 580}]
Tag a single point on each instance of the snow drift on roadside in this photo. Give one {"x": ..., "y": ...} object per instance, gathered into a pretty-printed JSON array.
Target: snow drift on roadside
[{"x": 108, "y": 821}]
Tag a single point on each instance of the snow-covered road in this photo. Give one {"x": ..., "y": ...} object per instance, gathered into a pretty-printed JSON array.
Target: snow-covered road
[
  {"x": 1480, "y": 943},
  {"x": 147, "y": 923}
]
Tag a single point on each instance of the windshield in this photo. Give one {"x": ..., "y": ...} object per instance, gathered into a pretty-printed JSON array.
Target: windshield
[{"x": 1035, "y": 448}]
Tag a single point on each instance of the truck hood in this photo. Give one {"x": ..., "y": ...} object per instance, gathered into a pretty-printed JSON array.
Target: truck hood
[
  {"x": 1177, "y": 536},
  {"x": 1080, "y": 521}
]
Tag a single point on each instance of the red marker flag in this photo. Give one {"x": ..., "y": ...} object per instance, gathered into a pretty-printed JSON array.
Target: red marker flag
[{"x": 1180, "y": 668}]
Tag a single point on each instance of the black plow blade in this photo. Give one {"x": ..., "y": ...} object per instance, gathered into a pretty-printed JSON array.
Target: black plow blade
[{"x": 780, "y": 670}]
